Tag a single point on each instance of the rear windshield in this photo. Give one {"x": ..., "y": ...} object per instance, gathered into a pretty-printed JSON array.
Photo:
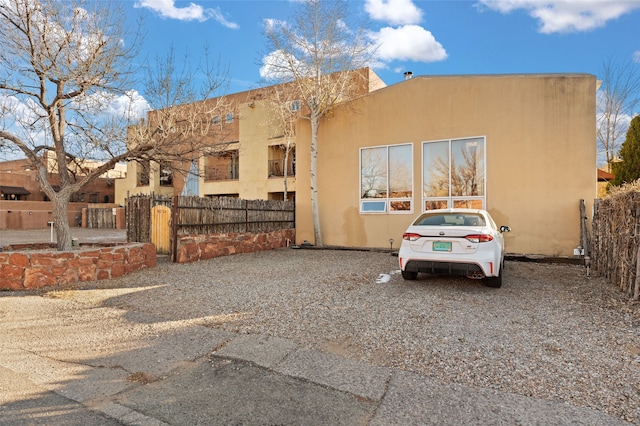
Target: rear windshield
[{"x": 450, "y": 219}]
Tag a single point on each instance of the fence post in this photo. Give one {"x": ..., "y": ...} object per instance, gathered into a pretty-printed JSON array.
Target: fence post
[
  {"x": 246, "y": 215},
  {"x": 174, "y": 229}
]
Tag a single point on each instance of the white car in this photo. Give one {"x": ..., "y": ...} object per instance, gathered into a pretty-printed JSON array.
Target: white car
[{"x": 456, "y": 242}]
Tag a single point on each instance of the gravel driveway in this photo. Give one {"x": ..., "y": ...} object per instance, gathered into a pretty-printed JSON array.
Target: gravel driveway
[{"x": 550, "y": 332}]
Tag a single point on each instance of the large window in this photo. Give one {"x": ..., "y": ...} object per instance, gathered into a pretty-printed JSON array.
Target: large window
[
  {"x": 386, "y": 179},
  {"x": 453, "y": 173}
]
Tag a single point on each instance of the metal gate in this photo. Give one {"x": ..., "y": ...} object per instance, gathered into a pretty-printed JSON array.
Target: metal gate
[{"x": 160, "y": 229}]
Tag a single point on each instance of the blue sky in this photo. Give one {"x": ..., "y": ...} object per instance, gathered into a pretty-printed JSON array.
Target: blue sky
[
  {"x": 430, "y": 37},
  {"x": 425, "y": 37}
]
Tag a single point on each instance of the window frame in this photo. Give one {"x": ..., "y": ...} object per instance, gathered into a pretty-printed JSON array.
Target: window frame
[
  {"x": 383, "y": 205},
  {"x": 450, "y": 200}
]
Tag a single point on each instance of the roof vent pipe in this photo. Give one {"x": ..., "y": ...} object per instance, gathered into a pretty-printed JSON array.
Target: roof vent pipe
[{"x": 408, "y": 75}]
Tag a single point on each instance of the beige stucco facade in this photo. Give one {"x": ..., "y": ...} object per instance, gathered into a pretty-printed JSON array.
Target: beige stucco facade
[
  {"x": 254, "y": 142},
  {"x": 539, "y": 135}
]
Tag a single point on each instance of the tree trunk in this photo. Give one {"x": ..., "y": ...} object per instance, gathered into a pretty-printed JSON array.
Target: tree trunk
[
  {"x": 61, "y": 222},
  {"x": 286, "y": 168},
  {"x": 314, "y": 181}
]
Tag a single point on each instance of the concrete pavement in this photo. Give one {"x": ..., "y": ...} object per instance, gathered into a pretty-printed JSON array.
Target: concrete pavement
[
  {"x": 67, "y": 362},
  {"x": 68, "y": 357}
]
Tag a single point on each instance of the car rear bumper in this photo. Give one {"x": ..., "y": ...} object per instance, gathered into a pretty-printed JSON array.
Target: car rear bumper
[{"x": 450, "y": 268}]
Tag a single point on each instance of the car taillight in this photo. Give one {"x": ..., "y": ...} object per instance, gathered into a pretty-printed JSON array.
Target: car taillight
[
  {"x": 408, "y": 236},
  {"x": 479, "y": 238}
]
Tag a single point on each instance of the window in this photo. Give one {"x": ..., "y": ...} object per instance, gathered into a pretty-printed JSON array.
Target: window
[
  {"x": 229, "y": 118},
  {"x": 222, "y": 166},
  {"x": 94, "y": 197},
  {"x": 216, "y": 120},
  {"x": 166, "y": 175},
  {"x": 386, "y": 179},
  {"x": 279, "y": 162},
  {"x": 143, "y": 173},
  {"x": 295, "y": 106},
  {"x": 453, "y": 174}
]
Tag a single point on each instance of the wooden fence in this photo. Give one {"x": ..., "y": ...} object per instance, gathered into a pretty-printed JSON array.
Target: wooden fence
[
  {"x": 101, "y": 218},
  {"x": 195, "y": 215},
  {"x": 616, "y": 240}
]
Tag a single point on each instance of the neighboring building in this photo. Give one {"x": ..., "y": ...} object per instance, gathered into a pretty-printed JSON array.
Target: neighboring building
[
  {"x": 249, "y": 160},
  {"x": 520, "y": 146},
  {"x": 604, "y": 178},
  {"x": 18, "y": 181},
  {"x": 23, "y": 205}
]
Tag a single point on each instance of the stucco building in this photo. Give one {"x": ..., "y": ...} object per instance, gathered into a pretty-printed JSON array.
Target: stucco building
[
  {"x": 250, "y": 147},
  {"x": 520, "y": 146}
]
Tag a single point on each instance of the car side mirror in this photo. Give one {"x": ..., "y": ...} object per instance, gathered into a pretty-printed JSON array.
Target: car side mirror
[{"x": 505, "y": 229}]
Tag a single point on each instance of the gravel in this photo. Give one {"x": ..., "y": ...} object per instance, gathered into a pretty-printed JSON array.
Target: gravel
[{"x": 550, "y": 332}]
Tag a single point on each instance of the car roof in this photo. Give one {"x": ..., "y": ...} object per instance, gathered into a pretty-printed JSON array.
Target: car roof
[{"x": 455, "y": 210}]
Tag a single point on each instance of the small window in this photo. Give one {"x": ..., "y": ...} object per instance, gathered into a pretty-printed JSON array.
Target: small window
[
  {"x": 373, "y": 206},
  {"x": 216, "y": 120},
  {"x": 144, "y": 168},
  {"x": 166, "y": 175},
  {"x": 229, "y": 118},
  {"x": 295, "y": 106}
]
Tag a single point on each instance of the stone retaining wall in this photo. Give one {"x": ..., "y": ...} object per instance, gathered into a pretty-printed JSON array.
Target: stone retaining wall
[
  {"x": 195, "y": 247},
  {"x": 26, "y": 270}
]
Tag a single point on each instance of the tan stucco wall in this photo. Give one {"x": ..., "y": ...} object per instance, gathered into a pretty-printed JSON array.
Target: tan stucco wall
[
  {"x": 127, "y": 186},
  {"x": 254, "y": 141},
  {"x": 540, "y": 155}
]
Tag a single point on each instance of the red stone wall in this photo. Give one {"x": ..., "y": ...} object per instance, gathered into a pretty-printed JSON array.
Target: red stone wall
[
  {"x": 26, "y": 270},
  {"x": 194, "y": 247}
]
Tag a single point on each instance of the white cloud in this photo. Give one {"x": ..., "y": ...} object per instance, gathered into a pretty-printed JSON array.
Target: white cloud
[
  {"x": 562, "y": 16},
  {"x": 132, "y": 106},
  {"x": 394, "y": 12},
  {"x": 408, "y": 42},
  {"x": 193, "y": 12},
  {"x": 276, "y": 66},
  {"x": 636, "y": 56}
]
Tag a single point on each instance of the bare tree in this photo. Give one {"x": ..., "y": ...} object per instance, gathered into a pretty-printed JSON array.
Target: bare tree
[
  {"x": 617, "y": 100},
  {"x": 320, "y": 55},
  {"x": 62, "y": 65},
  {"x": 184, "y": 122}
]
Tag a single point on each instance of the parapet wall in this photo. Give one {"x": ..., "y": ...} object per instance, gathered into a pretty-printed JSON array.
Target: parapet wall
[
  {"x": 195, "y": 247},
  {"x": 26, "y": 270}
]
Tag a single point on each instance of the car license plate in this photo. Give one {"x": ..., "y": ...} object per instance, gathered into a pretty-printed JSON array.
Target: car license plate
[{"x": 441, "y": 246}]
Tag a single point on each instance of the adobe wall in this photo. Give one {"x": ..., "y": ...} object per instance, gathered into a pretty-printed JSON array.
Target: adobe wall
[
  {"x": 195, "y": 247},
  {"x": 34, "y": 214},
  {"x": 27, "y": 270}
]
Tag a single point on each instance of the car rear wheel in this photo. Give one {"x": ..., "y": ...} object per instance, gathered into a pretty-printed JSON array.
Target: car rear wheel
[
  {"x": 409, "y": 275},
  {"x": 495, "y": 282}
]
